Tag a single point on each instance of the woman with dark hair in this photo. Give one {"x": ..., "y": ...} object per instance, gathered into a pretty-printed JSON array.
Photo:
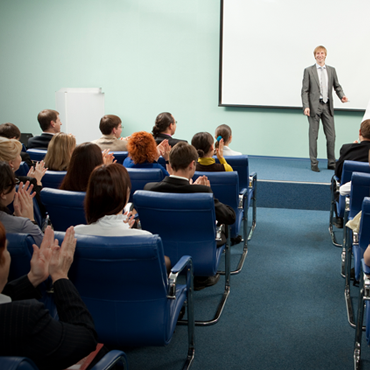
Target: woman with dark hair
[
  {"x": 84, "y": 159},
  {"x": 144, "y": 153},
  {"x": 23, "y": 220},
  {"x": 203, "y": 143},
  {"x": 27, "y": 329},
  {"x": 164, "y": 127}
]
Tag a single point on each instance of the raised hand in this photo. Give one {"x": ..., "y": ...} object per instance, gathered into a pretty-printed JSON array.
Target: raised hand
[
  {"x": 23, "y": 201},
  {"x": 38, "y": 172},
  {"x": 220, "y": 149},
  {"x": 108, "y": 157}
]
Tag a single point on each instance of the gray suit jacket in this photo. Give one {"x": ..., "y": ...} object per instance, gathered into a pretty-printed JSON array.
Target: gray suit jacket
[{"x": 311, "y": 89}]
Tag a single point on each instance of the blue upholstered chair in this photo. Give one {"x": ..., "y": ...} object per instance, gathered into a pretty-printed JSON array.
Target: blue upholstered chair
[
  {"x": 339, "y": 205},
  {"x": 65, "y": 208},
  {"x": 22, "y": 170},
  {"x": 120, "y": 156},
  {"x": 123, "y": 282},
  {"x": 24, "y": 363},
  {"x": 357, "y": 247},
  {"x": 247, "y": 184},
  {"x": 53, "y": 179},
  {"x": 187, "y": 225},
  {"x": 225, "y": 187},
  {"x": 37, "y": 154},
  {"x": 141, "y": 176}
]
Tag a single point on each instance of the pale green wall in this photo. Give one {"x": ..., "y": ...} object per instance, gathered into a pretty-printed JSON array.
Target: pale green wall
[{"x": 148, "y": 56}]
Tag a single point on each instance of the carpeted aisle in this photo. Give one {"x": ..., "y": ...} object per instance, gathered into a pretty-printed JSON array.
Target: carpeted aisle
[{"x": 286, "y": 308}]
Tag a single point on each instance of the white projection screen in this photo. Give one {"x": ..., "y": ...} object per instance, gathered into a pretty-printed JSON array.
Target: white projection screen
[{"x": 266, "y": 44}]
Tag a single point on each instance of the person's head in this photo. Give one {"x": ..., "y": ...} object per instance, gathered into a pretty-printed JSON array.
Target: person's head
[
  {"x": 49, "y": 121},
  {"x": 320, "y": 54},
  {"x": 203, "y": 143},
  {"x": 10, "y": 131},
  {"x": 365, "y": 129},
  {"x": 108, "y": 192},
  {"x": 164, "y": 123},
  {"x": 59, "y": 151},
  {"x": 142, "y": 147},
  {"x": 7, "y": 185},
  {"x": 84, "y": 159},
  {"x": 10, "y": 152},
  {"x": 4, "y": 258},
  {"x": 111, "y": 125},
  {"x": 225, "y": 132},
  {"x": 182, "y": 155}
]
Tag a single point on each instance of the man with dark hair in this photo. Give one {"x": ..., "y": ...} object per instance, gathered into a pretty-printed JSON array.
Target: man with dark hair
[
  {"x": 50, "y": 125},
  {"x": 356, "y": 151},
  {"x": 183, "y": 158},
  {"x": 111, "y": 128}
]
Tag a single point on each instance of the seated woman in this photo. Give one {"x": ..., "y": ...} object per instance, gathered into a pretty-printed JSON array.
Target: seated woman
[
  {"x": 107, "y": 195},
  {"x": 27, "y": 329},
  {"x": 144, "y": 153},
  {"x": 59, "y": 151},
  {"x": 203, "y": 143},
  {"x": 84, "y": 159},
  {"x": 224, "y": 131},
  {"x": 164, "y": 127},
  {"x": 23, "y": 220}
]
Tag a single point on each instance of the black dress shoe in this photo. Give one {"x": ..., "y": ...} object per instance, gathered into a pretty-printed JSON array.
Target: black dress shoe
[
  {"x": 338, "y": 223},
  {"x": 315, "y": 168},
  {"x": 236, "y": 240},
  {"x": 331, "y": 167},
  {"x": 201, "y": 282}
]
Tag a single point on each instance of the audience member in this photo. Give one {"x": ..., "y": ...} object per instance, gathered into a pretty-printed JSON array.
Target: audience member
[
  {"x": 50, "y": 125},
  {"x": 144, "y": 153},
  {"x": 27, "y": 329},
  {"x": 164, "y": 127},
  {"x": 357, "y": 151},
  {"x": 11, "y": 131},
  {"x": 84, "y": 159},
  {"x": 23, "y": 220},
  {"x": 224, "y": 131},
  {"x": 203, "y": 143},
  {"x": 182, "y": 158},
  {"x": 111, "y": 128},
  {"x": 59, "y": 151}
]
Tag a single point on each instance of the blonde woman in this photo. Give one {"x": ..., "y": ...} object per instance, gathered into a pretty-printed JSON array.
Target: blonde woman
[{"x": 59, "y": 152}]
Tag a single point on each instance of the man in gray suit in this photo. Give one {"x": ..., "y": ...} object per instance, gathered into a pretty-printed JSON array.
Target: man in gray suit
[{"x": 317, "y": 99}]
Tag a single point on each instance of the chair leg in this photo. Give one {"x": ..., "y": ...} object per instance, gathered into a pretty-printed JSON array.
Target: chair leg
[
  {"x": 254, "y": 208},
  {"x": 332, "y": 212},
  {"x": 347, "y": 287},
  {"x": 359, "y": 328}
]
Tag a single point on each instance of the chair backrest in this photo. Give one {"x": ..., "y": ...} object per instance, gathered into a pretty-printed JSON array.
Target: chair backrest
[
  {"x": 53, "y": 179},
  {"x": 120, "y": 156},
  {"x": 353, "y": 166},
  {"x": 37, "y": 154},
  {"x": 141, "y": 176},
  {"x": 22, "y": 170},
  {"x": 239, "y": 163},
  {"x": 20, "y": 249},
  {"x": 186, "y": 224},
  {"x": 364, "y": 233},
  {"x": 360, "y": 188},
  {"x": 65, "y": 208},
  {"x": 17, "y": 363},
  {"x": 123, "y": 282}
]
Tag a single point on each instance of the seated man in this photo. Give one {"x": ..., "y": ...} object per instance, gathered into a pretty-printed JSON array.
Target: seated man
[
  {"x": 50, "y": 125},
  {"x": 164, "y": 127},
  {"x": 111, "y": 128},
  {"x": 183, "y": 158}
]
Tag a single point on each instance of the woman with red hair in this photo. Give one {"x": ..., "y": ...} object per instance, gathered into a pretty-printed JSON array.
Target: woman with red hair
[{"x": 143, "y": 152}]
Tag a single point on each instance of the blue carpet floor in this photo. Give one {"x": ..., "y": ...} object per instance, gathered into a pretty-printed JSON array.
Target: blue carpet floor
[{"x": 286, "y": 308}]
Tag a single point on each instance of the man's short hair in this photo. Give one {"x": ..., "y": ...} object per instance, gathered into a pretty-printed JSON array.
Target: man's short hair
[
  {"x": 45, "y": 117},
  {"x": 10, "y": 131},
  {"x": 320, "y": 47},
  {"x": 181, "y": 155},
  {"x": 108, "y": 123},
  {"x": 365, "y": 129}
]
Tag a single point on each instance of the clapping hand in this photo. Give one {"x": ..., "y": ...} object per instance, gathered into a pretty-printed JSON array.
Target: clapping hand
[
  {"x": 202, "y": 180},
  {"x": 108, "y": 157},
  {"x": 220, "y": 149},
  {"x": 38, "y": 172},
  {"x": 164, "y": 149},
  {"x": 23, "y": 201}
]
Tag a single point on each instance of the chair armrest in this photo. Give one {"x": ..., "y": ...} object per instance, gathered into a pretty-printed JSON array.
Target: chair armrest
[
  {"x": 252, "y": 179},
  {"x": 110, "y": 359},
  {"x": 366, "y": 270},
  {"x": 182, "y": 263},
  {"x": 242, "y": 194}
]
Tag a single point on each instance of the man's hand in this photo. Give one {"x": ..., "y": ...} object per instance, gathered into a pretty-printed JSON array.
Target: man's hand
[
  {"x": 62, "y": 257},
  {"x": 41, "y": 258},
  {"x": 202, "y": 180},
  {"x": 306, "y": 112},
  {"x": 164, "y": 149},
  {"x": 344, "y": 99}
]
